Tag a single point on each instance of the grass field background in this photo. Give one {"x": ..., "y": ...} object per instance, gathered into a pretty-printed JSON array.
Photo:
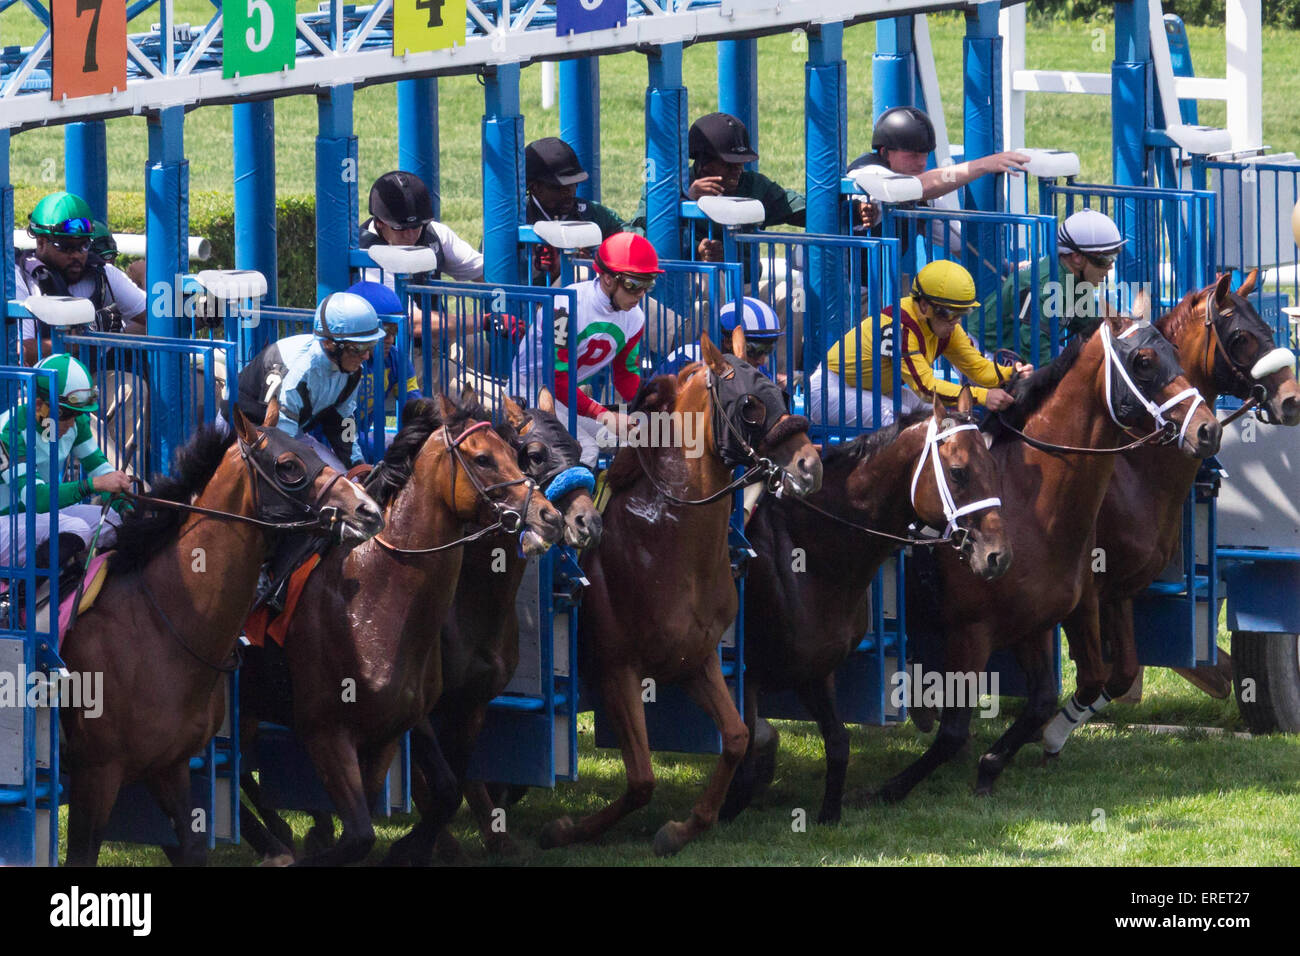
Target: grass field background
[
  {"x": 1079, "y": 123},
  {"x": 1195, "y": 798}
]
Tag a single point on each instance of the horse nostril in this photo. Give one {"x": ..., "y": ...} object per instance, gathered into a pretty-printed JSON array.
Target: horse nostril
[
  {"x": 1291, "y": 409},
  {"x": 1209, "y": 434}
]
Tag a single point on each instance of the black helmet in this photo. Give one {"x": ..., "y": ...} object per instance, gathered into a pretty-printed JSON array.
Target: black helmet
[
  {"x": 401, "y": 200},
  {"x": 723, "y": 136},
  {"x": 903, "y": 127}
]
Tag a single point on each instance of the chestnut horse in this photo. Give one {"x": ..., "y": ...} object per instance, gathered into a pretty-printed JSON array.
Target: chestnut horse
[
  {"x": 480, "y": 641},
  {"x": 363, "y": 650},
  {"x": 1124, "y": 376},
  {"x": 164, "y": 630},
  {"x": 1225, "y": 347},
  {"x": 800, "y": 625},
  {"x": 661, "y": 592}
]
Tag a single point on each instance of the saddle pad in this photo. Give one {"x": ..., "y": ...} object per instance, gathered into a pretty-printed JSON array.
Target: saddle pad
[
  {"x": 96, "y": 575},
  {"x": 261, "y": 624}
]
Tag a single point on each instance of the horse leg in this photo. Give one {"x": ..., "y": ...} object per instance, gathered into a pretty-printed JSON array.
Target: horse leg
[
  {"x": 171, "y": 788},
  {"x": 339, "y": 766},
  {"x": 620, "y": 692},
  {"x": 745, "y": 783},
  {"x": 1084, "y": 629},
  {"x": 1117, "y": 619},
  {"x": 262, "y": 826},
  {"x": 1035, "y": 659},
  {"x": 819, "y": 698},
  {"x": 92, "y": 794},
  {"x": 438, "y": 802},
  {"x": 708, "y": 689},
  {"x": 954, "y": 729}
]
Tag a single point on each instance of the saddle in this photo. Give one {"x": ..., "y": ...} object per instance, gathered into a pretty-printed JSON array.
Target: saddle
[
  {"x": 268, "y": 621},
  {"x": 71, "y": 582}
]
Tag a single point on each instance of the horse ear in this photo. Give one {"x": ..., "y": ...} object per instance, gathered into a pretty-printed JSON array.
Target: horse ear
[
  {"x": 468, "y": 397},
  {"x": 1222, "y": 288},
  {"x": 272, "y": 416},
  {"x": 939, "y": 411},
  {"x": 514, "y": 414},
  {"x": 658, "y": 395},
  {"x": 446, "y": 408},
  {"x": 1249, "y": 285},
  {"x": 965, "y": 400},
  {"x": 738, "y": 341},
  {"x": 245, "y": 429},
  {"x": 711, "y": 356},
  {"x": 1142, "y": 308},
  {"x": 546, "y": 401}
]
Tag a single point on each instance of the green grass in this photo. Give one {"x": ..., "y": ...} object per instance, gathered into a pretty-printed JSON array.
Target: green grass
[
  {"x": 1081, "y": 123},
  {"x": 1187, "y": 799}
]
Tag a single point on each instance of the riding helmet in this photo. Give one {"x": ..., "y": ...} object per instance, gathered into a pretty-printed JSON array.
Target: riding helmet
[
  {"x": 62, "y": 214},
  {"x": 1088, "y": 231},
  {"x": 77, "y": 392},
  {"x": 903, "y": 127},
  {"x": 401, "y": 200},
  {"x": 381, "y": 298},
  {"x": 346, "y": 317},
  {"x": 758, "y": 318},
  {"x": 103, "y": 244},
  {"x": 626, "y": 252},
  {"x": 945, "y": 283}
]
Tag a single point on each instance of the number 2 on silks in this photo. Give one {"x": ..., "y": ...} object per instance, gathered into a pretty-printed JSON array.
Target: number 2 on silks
[
  {"x": 258, "y": 36},
  {"x": 423, "y": 25},
  {"x": 89, "y": 47}
]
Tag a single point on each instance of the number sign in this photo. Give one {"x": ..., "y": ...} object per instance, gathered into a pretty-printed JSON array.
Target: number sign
[
  {"x": 257, "y": 36},
  {"x": 423, "y": 25},
  {"x": 584, "y": 16},
  {"x": 89, "y": 47}
]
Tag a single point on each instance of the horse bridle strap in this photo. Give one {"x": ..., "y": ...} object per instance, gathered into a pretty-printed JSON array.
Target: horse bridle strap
[
  {"x": 508, "y": 519},
  {"x": 933, "y": 438},
  {"x": 176, "y": 636},
  {"x": 1156, "y": 411},
  {"x": 1273, "y": 361}
]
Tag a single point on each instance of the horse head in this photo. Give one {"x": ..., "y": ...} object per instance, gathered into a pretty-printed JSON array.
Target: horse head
[
  {"x": 749, "y": 421},
  {"x": 291, "y": 483},
  {"x": 492, "y": 488},
  {"x": 1234, "y": 349},
  {"x": 1144, "y": 386},
  {"x": 552, "y": 457},
  {"x": 956, "y": 478}
]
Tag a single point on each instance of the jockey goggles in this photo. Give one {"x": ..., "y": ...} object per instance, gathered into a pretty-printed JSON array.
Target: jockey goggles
[
  {"x": 77, "y": 226},
  {"x": 1102, "y": 260},
  {"x": 634, "y": 283},
  {"x": 77, "y": 401},
  {"x": 945, "y": 313},
  {"x": 71, "y": 245}
]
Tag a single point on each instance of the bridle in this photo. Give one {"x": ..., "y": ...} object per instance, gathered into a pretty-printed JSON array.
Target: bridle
[
  {"x": 953, "y": 532},
  {"x": 1165, "y": 433},
  {"x": 759, "y": 468},
  {"x": 508, "y": 519},
  {"x": 323, "y": 519},
  {"x": 1272, "y": 361}
]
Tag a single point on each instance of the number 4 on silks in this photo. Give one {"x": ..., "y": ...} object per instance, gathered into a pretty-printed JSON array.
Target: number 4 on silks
[
  {"x": 257, "y": 36},
  {"x": 423, "y": 25},
  {"x": 89, "y": 41}
]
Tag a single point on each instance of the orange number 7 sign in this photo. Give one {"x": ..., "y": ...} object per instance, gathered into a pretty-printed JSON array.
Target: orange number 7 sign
[{"x": 89, "y": 47}]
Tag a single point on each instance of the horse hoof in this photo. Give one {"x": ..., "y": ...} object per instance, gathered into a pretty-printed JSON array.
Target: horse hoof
[
  {"x": 279, "y": 859},
  {"x": 923, "y": 718},
  {"x": 448, "y": 849},
  {"x": 984, "y": 789},
  {"x": 1050, "y": 759},
  {"x": 557, "y": 833},
  {"x": 891, "y": 793},
  {"x": 672, "y": 836},
  {"x": 317, "y": 841}
]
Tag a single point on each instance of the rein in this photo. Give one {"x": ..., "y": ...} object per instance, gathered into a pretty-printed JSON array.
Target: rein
[
  {"x": 508, "y": 519},
  {"x": 1269, "y": 363},
  {"x": 171, "y": 629},
  {"x": 761, "y": 469}
]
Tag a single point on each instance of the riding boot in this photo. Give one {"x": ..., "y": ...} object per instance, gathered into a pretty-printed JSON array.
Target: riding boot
[{"x": 287, "y": 558}]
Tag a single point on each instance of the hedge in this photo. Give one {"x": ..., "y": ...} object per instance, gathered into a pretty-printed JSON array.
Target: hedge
[
  {"x": 1203, "y": 13},
  {"x": 212, "y": 216}
]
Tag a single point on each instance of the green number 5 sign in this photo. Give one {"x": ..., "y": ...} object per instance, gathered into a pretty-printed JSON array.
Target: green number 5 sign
[{"x": 258, "y": 36}]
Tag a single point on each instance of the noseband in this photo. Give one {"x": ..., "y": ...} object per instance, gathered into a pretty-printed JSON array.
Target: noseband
[
  {"x": 952, "y": 531},
  {"x": 1252, "y": 385}
]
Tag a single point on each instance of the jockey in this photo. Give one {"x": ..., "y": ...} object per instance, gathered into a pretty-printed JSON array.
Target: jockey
[
  {"x": 609, "y": 327},
  {"x": 389, "y": 308},
  {"x": 312, "y": 378},
  {"x": 943, "y": 293},
  {"x": 77, "y": 397},
  {"x": 763, "y": 331},
  {"x": 552, "y": 173}
]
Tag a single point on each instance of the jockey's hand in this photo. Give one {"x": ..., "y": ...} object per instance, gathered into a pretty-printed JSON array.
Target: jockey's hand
[
  {"x": 505, "y": 325},
  {"x": 709, "y": 250},
  {"x": 999, "y": 400},
  {"x": 1005, "y": 162},
  {"x": 547, "y": 260},
  {"x": 705, "y": 186},
  {"x": 108, "y": 319},
  {"x": 868, "y": 214},
  {"x": 1024, "y": 368}
]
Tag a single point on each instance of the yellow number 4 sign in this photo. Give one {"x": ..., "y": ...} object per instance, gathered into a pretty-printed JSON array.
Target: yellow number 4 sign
[{"x": 423, "y": 25}]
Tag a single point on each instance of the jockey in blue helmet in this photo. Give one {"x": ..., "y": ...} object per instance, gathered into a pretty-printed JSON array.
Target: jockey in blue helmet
[
  {"x": 389, "y": 308},
  {"x": 763, "y": 331},
  {"x": 313, "y": 378}
]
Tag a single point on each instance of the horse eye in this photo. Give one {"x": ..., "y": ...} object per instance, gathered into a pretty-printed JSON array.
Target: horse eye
[
  {"x": 752, "y": 411},
  {"x": 290, "y": 470},
  {"x": 483, "y": 461},
  {"x": 1238, "y": 347},
  {"x": 959, "y": 475},
  {"x": 1144, "y": 363}
]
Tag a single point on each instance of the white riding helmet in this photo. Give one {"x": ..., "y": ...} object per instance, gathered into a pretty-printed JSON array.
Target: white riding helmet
[{"x": 1088, "y": 231}]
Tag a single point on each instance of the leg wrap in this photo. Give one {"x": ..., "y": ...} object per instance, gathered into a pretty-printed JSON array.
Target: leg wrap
[{"x": 1072, "y": 715}]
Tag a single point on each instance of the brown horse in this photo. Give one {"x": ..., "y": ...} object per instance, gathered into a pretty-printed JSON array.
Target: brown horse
[
  {"x": 661, "y": 591},
  {"x": 1225, "y": 347},
  {"x": 802, "y": 624},
  {"x": 163, "y": 692},
  {"x": 1124, "y": 376},
  {"x": 480, "y": 641},
  {"x": 363, "y": 649}
]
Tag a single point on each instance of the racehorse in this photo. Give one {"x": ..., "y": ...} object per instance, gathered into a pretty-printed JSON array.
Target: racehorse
[
  {"x": 1224, "y": 346},
  {"x": 1055, "y": 454},
  {"x": 363, "y": 648},
  {"x": 661, "y": 592},
  {"x": 802, "y": 623},
  {"x": 175, "y": 565},
  {"x": 480, "y": 641}
]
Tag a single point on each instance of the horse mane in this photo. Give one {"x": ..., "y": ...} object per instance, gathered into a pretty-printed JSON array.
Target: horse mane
[
  {"x": 1031, "y": 392},
  {"x": 867, "y": 445},
  {"x": 422, "y": 418},
  {"x": 1172, "y": 322},
  {"x": 146, "y": 531}
]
